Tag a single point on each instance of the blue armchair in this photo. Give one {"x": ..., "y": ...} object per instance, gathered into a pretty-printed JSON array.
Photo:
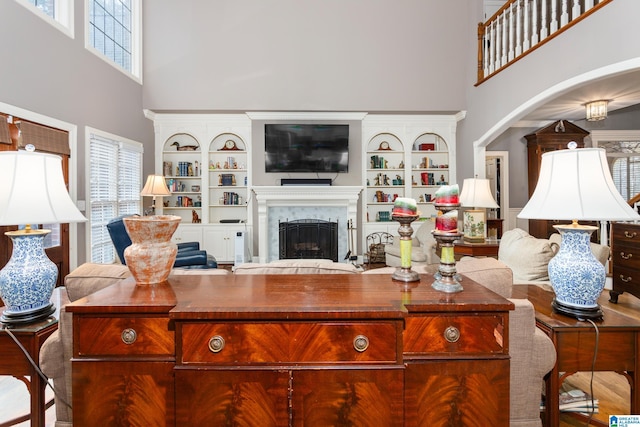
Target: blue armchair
[{"x": 189, "y": 253}]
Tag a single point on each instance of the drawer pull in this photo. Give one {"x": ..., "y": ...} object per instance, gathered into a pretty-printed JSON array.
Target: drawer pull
[
  {"x": 216, "y": 344},
  {"x": 629, "y": 235},
  {"x": 626, "y": 279},
  {"x": 625, "y": 256},
  {"x": 129, "y": 336},
  {"x": 360, "y": 343},
  {"x": 452, "y": 334}
]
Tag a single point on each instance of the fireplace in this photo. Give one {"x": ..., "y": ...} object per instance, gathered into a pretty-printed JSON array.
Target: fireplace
[
  {"x": 287, "y": 203},
  {"x": 308, "y": 238}
]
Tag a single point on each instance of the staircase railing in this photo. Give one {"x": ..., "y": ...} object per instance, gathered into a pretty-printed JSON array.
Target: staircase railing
[{"x": 521, "y": 26}]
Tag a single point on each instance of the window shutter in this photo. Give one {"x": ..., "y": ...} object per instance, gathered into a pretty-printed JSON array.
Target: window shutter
[
  {"x": 43, "y": 138},
  {"x": 115, "y": 184}
]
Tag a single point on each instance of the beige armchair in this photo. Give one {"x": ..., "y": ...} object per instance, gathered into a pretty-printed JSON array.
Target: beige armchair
[{"x": 423, "y": 249}]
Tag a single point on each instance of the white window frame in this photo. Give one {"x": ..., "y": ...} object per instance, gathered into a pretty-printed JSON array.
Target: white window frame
[
  {"x": 62, "y": 19},
  {"x": 136, "y": 41},
  {"x": 121, "y": 143}
]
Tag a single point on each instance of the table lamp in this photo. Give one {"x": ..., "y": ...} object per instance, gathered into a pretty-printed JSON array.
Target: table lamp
[
  {"x": 475, "y": 194},
  {"x": 155, "y": 186},
  {"x": 33, "y": 191},
  {"x": 576, "y": 184}
]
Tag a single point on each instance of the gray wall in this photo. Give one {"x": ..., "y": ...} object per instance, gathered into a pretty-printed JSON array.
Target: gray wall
[
  {"x": 330, "y": 55},
  {"x": 46, "y": 72}
]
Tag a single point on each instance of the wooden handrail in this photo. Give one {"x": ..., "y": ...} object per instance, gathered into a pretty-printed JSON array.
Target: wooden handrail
[
  {"x": 635, "y": 199},
  {"x": 521, "y": 26}
]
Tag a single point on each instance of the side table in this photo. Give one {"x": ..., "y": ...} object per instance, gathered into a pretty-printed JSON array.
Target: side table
[
  {"x": 13, "y": 361},
  {"x": 488, "y": 248},
  {"x": 575, "y": 343}
]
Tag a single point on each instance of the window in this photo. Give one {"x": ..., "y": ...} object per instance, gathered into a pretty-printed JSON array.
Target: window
[
  {"x": 626, "y": 176},
  {"x": 115, "y": 184},
  {"x": 59, "y": 13},
  {"x": 114, "y": 29}
]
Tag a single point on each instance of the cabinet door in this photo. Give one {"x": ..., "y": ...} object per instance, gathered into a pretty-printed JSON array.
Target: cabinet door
[
  {"x": 136, "y": 394},
  {"x": 188, "y": 234},
  {"x": 457, "y": 393},
  {"x": 360, "y": 397},
  {"x": 232, "y": 398},
  {"x": 219, "y": 242}
]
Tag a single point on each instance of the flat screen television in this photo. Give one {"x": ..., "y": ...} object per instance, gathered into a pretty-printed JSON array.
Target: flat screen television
[{"x": 306, "y": 148}]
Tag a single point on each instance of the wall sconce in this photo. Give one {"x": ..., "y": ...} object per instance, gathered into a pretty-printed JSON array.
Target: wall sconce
[{"x": 596, "y": 110}]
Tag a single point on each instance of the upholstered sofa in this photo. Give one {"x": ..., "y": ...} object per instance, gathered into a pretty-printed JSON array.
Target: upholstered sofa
[{"x": 531, "y": 351}]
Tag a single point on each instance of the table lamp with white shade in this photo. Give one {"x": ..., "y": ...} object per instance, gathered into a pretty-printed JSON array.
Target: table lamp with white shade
[
  {"x": 573, "y": 185},
  {"x": 155, "y": 186},
  {"x": 476, "y": 194},
  {"x": 33, "y": 191}
]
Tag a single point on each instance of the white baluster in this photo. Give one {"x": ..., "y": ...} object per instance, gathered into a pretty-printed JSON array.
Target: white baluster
[
  {"x": 534, "y": 23},
  {"x": 527, "y": 25},
  {"x": 498, "y": 41},
  {"x": 503, "y": 60},
  {"x": 575, "y": 11},
  {"x": 486, "y": 47},
  {"x": 544, "y": 33},
  {"x": 564, "y": 17},
  {"x": 588, "y": 4},
  {"x": 518, "y": 28},
  {"x": 492, "y": 47},
  {"x": 512, "y": 26},
  {"x": 553, "y": 25}
]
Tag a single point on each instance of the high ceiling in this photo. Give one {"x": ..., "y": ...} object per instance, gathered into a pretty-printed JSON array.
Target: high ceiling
[{"x": 622, "y": 91}]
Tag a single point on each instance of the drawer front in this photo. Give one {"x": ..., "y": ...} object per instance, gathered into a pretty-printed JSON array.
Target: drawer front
[
  {"x": 296, "y": 343},
  {"x": 623, "y": 276},
  {"x": 626, "y": 233},
  {"x": 625, "y": 255},
  {"x": 455, "y": 334},
  {"x": 122, "y": 336}
]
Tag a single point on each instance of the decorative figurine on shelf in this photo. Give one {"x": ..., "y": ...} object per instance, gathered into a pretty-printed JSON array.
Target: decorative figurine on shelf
[
  {"x": 195, "y": 218},
  {"x": 446, "y": 232},
  {"x": 405, "y": 211}
]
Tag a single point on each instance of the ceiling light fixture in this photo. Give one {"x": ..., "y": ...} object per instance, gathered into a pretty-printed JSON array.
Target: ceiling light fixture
[{"x": 596, "y": 110}]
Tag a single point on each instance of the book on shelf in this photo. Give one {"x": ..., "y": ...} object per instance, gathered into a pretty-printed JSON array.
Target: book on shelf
[{"x": 575, "y": 400}]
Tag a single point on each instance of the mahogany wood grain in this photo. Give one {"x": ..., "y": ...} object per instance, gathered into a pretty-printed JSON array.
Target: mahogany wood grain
[{"x": 289, "y": 357}]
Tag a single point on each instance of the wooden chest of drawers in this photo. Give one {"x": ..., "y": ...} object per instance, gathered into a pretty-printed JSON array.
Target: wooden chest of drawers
[
  {"x": 290, "y": 350},
  {"x": 625, "y": 258}
]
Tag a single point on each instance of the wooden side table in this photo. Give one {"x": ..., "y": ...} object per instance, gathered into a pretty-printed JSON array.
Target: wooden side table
[
  {"x": 488, "y": 248},
  {"x": 575, "y": 342},
  {"x": 14, "y": 362}
]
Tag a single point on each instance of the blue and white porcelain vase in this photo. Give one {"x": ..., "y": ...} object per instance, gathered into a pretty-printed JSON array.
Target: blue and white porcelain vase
[
  {"x": 28, "y": 279},
  {"x": 576, "y": 275}
]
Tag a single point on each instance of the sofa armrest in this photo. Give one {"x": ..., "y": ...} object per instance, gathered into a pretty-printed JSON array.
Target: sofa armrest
[
  {"x": 188, "y": 246},
  {"x": 532, "y": 357},
  {"x": 52, "y": 356},
  {"x": 190, "y": 257}
]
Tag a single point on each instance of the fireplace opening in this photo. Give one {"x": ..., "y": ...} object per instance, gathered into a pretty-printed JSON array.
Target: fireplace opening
[{"x": 308, "y": 238}]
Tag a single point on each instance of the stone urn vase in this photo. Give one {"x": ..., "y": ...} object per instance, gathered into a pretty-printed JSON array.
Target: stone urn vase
[{"x": 151, "y": 254}]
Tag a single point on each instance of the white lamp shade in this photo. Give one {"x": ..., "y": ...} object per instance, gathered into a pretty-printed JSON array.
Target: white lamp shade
[
  {"x": 155, "y": 186},
  {"x": 33, "y": 190},
  {"x": 576, "y": 184},
  {"x": 476, "y": 193}
]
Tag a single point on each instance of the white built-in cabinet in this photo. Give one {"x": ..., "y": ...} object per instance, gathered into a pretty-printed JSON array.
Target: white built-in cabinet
[
  {"x": 404, "y": 156},
  {"x": 204, "y": 159}
]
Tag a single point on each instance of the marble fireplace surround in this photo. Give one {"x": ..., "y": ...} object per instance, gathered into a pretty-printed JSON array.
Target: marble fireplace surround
[{"x": 293, "y": 202}]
